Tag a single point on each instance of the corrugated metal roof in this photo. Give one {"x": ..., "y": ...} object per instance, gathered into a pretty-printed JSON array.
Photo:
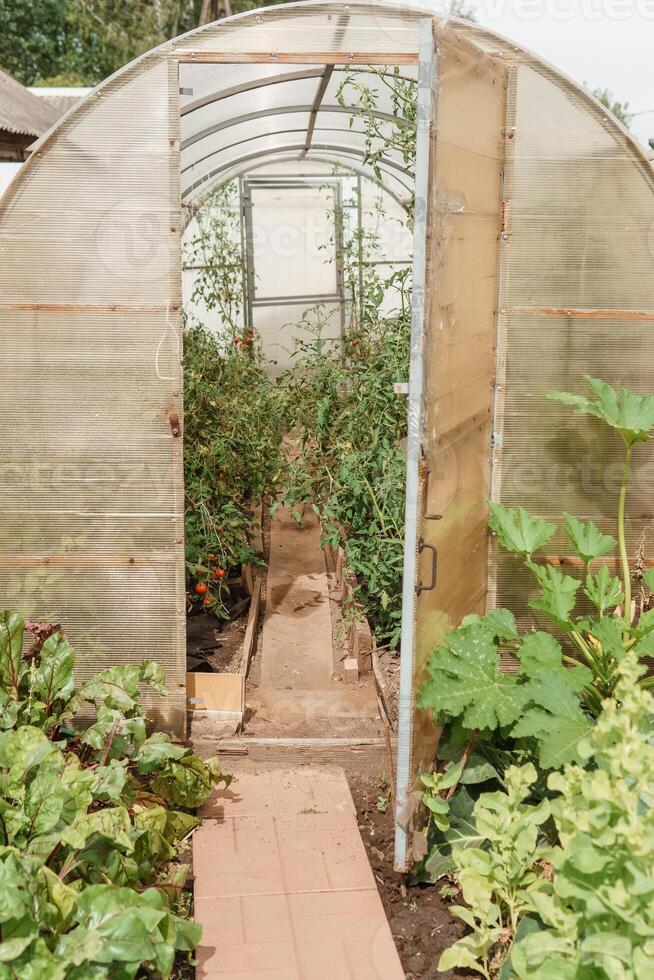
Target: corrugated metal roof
[
  {"x": 21, "y": 112},
  {"x": 59, "y": 103}
]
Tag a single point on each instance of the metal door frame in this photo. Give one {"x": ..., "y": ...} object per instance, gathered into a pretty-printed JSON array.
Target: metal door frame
[
  {"x": 247, "y": 185},
  {"x": 427, "y": 74}
]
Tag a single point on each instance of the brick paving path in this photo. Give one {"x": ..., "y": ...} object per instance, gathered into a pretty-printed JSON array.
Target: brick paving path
[{"x": 283, "y": 887}]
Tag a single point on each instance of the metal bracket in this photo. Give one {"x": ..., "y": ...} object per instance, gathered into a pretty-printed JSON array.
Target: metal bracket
[
  {"x": 175, "y": 427},
  {"x": 425, "y": 498},
  {"x": 422, "y": 545}
]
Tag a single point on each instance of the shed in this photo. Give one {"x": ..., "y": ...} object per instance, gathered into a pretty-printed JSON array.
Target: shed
[{"x": 23, "y": 117}]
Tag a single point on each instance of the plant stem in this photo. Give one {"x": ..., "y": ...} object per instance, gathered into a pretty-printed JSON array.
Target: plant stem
[
  {"x": 585, "y": 651},
  {"x": 626, "y": 571}
]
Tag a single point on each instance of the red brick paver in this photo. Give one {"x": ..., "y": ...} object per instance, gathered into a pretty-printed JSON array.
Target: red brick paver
[{"x": 283, "y": 887}]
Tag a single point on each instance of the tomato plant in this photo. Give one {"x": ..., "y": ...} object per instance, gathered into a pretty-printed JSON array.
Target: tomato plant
[
  {"x": 351, "y": 467},
  {"x": 232, "y": 456}
]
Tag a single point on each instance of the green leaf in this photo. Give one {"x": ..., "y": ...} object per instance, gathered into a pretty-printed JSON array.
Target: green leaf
[
  {"x": 23, "y": 750},
  {"x": 52, "y": 679},
  {"x": 187, "y": 781},
  {"x": 15, "y": 897},
  {"x": 126, "y": 922},
  {"x": 558, "y": 591},
  {"x": 38, "y": 963},
  {"x": 112, "y": 823},
  {"x": 461, "y": 833},
  {"x": 466, "y": 681},
  {"x": 517, "y": 530},
  {"x": 12, "y": 666},
  {"x": 154, "y": 675},
  {"x": 541, "y": 650},
  {"x": 156, "y": 751},
  {"x": 608, "y": 633},
  {"x": 648, "y": 579},
  {"x": 604, "y": 590},
  {"x": 587, "y": 539},
  {"x": 115, "y": 687},
  {"x": 110, "y": 780},
  {"x": 44, "y": 803},
  {"x": 632, "y": 415},
  {"x": 500, "y": 622},
  {"x": 554, "y": 719},
  {"x": 59, "y": 899}
]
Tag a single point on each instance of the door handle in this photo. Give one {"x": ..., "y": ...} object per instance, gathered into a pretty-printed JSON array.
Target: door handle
[{"x": 422, "y": 546}]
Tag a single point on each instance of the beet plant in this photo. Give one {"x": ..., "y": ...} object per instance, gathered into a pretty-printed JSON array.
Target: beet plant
[{"x": 91, "y": 818}]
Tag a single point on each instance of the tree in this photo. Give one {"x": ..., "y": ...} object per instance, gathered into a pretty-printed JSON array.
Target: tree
[
  {"x": 33, "y": 38},
  {"x": 619, "y": 109},
  {"x": 80, "y": 42}
]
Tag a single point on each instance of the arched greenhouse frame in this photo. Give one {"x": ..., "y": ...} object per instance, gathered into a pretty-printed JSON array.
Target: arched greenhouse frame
[{"x": 533, "y": 252}]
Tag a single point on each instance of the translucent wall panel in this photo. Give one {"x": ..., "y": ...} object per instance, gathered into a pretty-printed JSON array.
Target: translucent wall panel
[
  {"x": 581, "y": 206},
  {"x": 279, "y": 329},
  {"x": 293, "y": 241},
  {"x": 91, "y": 478},
  {"x": 577, "y": 298},
  {"x": 462, "y": 286},
  {"x": 351, "y": 28}
]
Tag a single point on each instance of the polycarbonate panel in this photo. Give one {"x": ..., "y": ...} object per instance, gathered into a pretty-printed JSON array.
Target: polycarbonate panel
[
  {"x": 280, "y": 327},
  {"x": 268, "y": 101},
  {"x": 293, "y": 241},
  {"x": 581, "y": 206},
  {"x": 331, "y": 161},
  {"x": 577, "y": 298},
  {"x": 202, "y": 83},
  {"x": 353, "y": 28},
  {"x": 241, "y": 139},
  {"x": 467, "y": 165},
  {"x": 91, "y": 476}
]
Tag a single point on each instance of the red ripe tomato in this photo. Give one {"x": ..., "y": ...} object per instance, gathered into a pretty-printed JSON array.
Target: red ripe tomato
[
  {"x": 201, "y": 588},
  {"x": 217, "y": 574}
]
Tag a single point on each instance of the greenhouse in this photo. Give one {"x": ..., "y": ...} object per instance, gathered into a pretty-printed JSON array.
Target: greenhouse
[{"x": 530, "y": 217}]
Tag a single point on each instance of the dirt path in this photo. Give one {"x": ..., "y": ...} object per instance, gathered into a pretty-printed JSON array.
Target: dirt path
[{"x": 295, "y": 687}]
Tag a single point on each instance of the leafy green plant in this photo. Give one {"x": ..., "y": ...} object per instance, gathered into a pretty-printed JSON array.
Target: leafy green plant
[
  {"x": 340, "y": 399},
  {"x": 596, "y": 917},
  {"x": 497, "y": 879},
  {"x": 361, "y": 96},
  {"x": 90, "y": 819},
  {"x": 232, "y": 456},
  {"x": 215, "y": 255},
  {"x": 555, "y": 692}
]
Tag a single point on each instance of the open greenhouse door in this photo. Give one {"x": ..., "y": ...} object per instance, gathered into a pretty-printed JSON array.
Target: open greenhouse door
[{"x": 462, "y": 96}]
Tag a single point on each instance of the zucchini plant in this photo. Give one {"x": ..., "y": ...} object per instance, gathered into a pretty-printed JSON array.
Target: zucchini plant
[
  {"x": 561, "y": 678},
  {"x": 542, "y": 711},
  {"x": 554, "y": 864}
]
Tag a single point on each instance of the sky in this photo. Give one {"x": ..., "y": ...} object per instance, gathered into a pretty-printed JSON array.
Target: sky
[{"x": 599, "y": 43}]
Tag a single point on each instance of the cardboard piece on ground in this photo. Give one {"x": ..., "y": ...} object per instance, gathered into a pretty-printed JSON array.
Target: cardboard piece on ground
[{"x": 215, "y": 692}]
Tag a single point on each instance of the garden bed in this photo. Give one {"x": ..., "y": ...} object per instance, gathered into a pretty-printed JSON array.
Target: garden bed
[{"x": 419, "y": 917}]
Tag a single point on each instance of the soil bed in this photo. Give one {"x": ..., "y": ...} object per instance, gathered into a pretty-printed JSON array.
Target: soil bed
[
  {"x": 421, "y": 924},
  {"x": 214, "y": 645}
]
